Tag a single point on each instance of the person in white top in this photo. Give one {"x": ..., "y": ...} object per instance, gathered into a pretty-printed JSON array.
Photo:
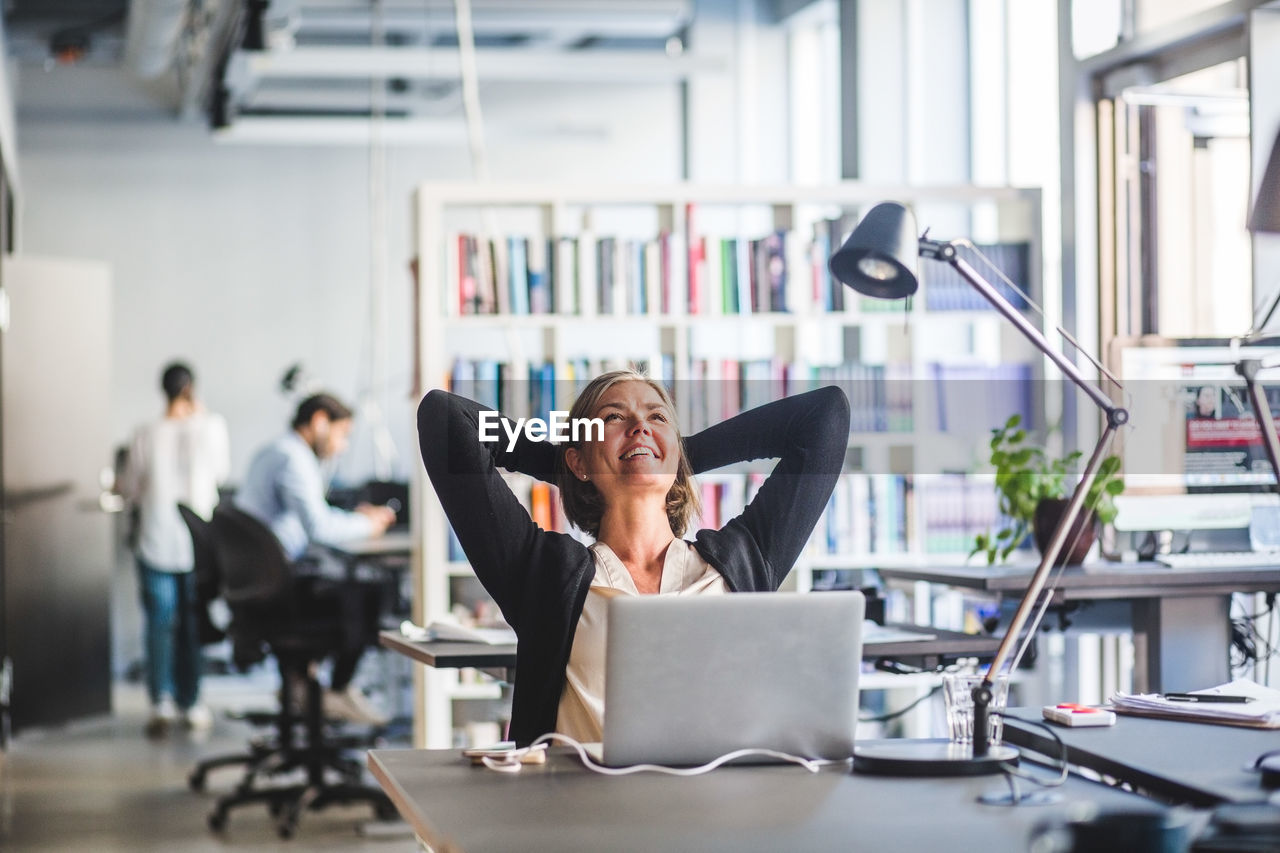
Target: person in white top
[{"x": 181, "y": 457}]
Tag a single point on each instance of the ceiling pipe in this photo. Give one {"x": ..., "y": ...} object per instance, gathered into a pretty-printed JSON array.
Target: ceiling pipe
[{"x": 151, "y": 35}]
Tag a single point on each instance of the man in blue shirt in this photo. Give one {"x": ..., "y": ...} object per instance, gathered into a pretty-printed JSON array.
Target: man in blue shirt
[{"x": 285, "y": 490}]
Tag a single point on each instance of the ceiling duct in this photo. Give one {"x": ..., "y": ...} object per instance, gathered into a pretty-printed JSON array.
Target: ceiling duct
[
  {"x": 152, "y": 34},
  {"x": 318, "y": 58}
]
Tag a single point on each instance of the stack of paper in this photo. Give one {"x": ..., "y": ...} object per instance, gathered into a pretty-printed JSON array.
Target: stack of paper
[
  {"x": 456, "y": 633},
  {"x": 1262, "y": 711}
]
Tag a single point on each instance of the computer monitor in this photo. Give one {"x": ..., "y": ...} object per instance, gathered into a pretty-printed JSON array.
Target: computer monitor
[
  {"x": 1194, "y": 435},
  {"x": 392, "y": 493}
]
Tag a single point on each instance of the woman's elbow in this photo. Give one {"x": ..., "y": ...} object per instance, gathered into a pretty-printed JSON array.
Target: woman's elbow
[
  {"x": 833, "y": 409},
  {"x": 433, "y": 405},
  {"x": 433, "y": 427}
]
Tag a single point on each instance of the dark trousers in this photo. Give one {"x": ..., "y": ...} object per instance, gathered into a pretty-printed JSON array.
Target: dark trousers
[{"x": 355, "y": 607}]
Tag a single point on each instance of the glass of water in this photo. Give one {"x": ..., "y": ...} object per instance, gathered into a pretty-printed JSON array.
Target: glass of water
[{"x": 957, "y": 688}]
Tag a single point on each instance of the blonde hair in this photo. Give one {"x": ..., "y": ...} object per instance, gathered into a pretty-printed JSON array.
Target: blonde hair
[{"x": 583, "y": 503}]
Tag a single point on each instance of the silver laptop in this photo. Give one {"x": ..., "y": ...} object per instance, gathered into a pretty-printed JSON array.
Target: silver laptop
[{"x": 691, "y": 678}]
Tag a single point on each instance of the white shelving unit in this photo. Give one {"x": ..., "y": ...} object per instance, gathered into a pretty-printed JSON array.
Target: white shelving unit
[{"x": 908, "y": 336}]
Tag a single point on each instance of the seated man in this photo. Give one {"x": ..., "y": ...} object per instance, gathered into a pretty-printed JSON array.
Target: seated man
[{"x": 285, "y": 490}]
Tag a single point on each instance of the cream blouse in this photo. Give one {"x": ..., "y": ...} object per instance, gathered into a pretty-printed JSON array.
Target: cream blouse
[{"x": 684, "y": 572}]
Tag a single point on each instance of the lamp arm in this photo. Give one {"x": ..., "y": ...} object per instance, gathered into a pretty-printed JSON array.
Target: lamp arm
[
  {"x": 946, "y": 252},
  {"x": 1248, "y": 368},
  {"x": 1116, "y": 416},
  {"x": 982, "y": 693}
]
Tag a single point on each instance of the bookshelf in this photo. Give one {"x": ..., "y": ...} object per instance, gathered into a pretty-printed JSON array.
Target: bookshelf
[{"x": 525, "y": 291}]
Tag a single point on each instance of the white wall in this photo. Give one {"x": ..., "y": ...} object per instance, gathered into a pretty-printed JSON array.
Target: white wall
[{"x": 247, "y": 259}]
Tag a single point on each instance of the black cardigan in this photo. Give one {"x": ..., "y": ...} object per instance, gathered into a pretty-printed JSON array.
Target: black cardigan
[{"x": 540, "y": 579}]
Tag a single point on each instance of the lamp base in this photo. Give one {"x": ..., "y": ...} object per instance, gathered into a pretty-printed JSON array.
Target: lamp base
[{"x": 929, "y": 757}]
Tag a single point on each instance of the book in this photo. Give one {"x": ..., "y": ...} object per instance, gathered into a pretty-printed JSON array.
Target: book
[
  {"x": 539, "y": 281},
  {"x": 564, "y": 276},
  {"x": 518, "y": 274},
  {"x": 540, "y": 505},
  {"x": 454, "y": 632}
]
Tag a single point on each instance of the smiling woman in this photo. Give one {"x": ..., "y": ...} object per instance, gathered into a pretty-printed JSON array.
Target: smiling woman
[
  {"x": 639, "y": 453},
  {"x": 633, "y": 490}
]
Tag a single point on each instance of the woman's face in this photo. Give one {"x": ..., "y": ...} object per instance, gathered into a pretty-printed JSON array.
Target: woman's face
[{"x": 640, "y": 449}]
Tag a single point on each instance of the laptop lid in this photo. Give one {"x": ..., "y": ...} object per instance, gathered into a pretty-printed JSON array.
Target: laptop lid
[{"x": 691, "y": 678}]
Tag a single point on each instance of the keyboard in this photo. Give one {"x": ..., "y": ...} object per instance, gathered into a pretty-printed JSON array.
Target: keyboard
[{"x": 1220, "y": 560}]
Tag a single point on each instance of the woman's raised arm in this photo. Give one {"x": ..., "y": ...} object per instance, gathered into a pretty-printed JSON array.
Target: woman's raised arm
[
  {"x": 807, "y": 434},
  {"x": 493, "y": 527}
]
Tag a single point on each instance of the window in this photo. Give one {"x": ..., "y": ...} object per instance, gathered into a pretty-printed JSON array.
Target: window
[{"x": 1175, "y": 155}]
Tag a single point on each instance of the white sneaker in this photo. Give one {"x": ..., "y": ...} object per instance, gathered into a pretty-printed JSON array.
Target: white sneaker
[
  {"x": 197, "y": 718},
  {"x": 163, "y": 715},
  {"x": 352, "y": 706}
]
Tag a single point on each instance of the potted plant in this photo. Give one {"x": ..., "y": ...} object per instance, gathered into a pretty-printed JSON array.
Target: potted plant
[{"x": 1032, "y": 488}]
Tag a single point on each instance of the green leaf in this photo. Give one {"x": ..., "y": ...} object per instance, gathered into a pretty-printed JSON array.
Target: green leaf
[{"x": 1013, "y": 421}]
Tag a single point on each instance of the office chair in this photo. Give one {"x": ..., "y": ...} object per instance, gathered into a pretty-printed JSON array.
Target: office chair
[
  {"x": 267, "y": 618},
  {"x": 208, "y": 576}
]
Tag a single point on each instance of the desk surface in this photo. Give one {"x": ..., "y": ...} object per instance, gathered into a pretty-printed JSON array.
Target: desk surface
[
  {"x": 442, "y": 655},
  {"x": 1193, "y": 763},
  {"x": 1100, "y": 580},
  {"x": 394, "y": 543},
  {"x": 451, "y": 655},
  {"x": 454, "y": 806}
]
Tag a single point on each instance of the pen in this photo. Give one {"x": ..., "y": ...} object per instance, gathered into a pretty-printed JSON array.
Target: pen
[{"x": 1206, "y": 697}]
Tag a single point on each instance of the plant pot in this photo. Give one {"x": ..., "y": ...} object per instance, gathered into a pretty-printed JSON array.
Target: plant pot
[{"x": 1049, "y": 512}]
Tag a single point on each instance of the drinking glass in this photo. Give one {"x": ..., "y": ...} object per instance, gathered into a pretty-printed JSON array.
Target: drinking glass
[{"x": 957, "y": 688}]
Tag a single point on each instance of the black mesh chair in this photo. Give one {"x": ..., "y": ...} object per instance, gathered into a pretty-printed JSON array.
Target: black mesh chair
[
  {"x": 267, "y": 617},
  {"x": 208, "y": 576}
]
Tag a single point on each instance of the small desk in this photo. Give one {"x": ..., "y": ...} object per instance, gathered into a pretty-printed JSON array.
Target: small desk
[
  {"x": 394, "y": 543},
  {"x": 453, "y": 806},
  {"x": 1194, "y": 763},
  {"x": 445, "y": 655},
  {"x": 945, "y": 645},
  {"x": 1182, "y": 615}
]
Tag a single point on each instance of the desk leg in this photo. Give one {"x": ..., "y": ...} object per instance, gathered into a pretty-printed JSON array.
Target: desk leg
[{"x": 1181, "y": 643}]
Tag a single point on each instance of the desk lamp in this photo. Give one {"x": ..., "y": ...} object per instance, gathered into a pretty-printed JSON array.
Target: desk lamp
[
  {"x": 1265, "y": 219},
  {"x": 879, "y": 260}
]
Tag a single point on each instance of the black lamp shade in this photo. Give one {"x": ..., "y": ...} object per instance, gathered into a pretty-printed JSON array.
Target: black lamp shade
[
  {"x": 1266, "y": 209},
  {"x": 879, "y": 258}
]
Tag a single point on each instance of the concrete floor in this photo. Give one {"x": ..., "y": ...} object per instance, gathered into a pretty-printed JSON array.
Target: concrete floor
[{"x": 101, "y": 785}]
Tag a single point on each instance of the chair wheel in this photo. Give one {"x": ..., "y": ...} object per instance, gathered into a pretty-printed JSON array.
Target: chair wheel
[
  {"x": 217, "y": 820},
  {"x": 275, "y": 807},
  {"x": 196, "y": 781}
]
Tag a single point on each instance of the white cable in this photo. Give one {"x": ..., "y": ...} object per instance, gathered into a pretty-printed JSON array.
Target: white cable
[
  {"x": 384, "y": 451},
  {"x": 470, "y": 88},
  {"x": 510, "y": 762}
]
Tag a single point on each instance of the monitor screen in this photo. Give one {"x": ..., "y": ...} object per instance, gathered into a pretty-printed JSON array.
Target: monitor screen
[{"x": 1193, "y": 428}]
